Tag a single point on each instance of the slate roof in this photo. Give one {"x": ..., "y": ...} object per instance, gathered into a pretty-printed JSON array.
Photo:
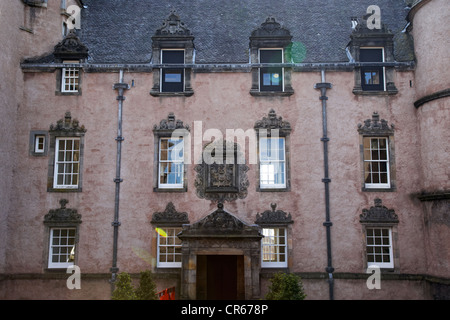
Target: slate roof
[{"x": 120, "y": 31}]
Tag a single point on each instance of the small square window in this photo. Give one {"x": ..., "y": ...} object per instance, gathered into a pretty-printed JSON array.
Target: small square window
[{"x": 39, "y": 144}]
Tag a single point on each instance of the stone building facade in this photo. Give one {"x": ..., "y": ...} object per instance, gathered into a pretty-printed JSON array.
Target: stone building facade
[{"x": 218, "y": 145}]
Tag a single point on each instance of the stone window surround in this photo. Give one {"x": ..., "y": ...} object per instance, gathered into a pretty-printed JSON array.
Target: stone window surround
[
  {"x": 173, "y": 34},
  {"x": 284, "y": 130},
  {"x": 378, "y": 216},
  {"x": 163, "y": 130},
  {"x": 59, "y": 80},
  {"x": 362, "y": 37},
  {"x": 270, "y": 35},
  {"x": 32, "y": 143},
  {"x": 375, "y": 128},
  {"x": 60, "y": 218},
  {"x": 65, "y": 128},
  {"x": 277, "y": 219}
]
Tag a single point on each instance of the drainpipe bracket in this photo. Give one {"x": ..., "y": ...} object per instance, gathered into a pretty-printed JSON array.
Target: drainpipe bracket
[
  {"x": 328, "y": 224},
  {"x": 116, "y": 224},
  {"x": 325, "y": 85}
]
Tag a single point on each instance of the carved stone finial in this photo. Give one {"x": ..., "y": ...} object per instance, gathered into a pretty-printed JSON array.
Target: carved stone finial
[
  {"x": 68, "y": 125},
  {"x": 378, "y": 213},
  {"x": 273, "y": 122},
  {"x": 170, "y": 124},
  {"x": 269, "y": 217},
  {"x": 170, "y": 216},
  {"x": 173, "y": 26},
  {"x": 375, "y": 126},
  {"x": 63, "y": 214},
  {"x": 271, "y": 28}
]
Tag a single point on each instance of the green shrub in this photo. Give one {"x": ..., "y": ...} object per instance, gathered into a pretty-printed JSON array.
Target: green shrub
[
  {"x": 124, "y": 289},
  {"x": 147, "y": 287},
  {"x": 286, "y": 286}
]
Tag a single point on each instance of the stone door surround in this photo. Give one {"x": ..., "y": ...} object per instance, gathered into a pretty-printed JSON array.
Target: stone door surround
[{"x": 220, "y": 233}]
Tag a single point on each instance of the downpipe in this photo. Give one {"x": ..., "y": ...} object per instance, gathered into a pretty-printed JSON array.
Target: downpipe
[
  {"x": 120, "y": 87},
  {"x": 323, "y": 86}
]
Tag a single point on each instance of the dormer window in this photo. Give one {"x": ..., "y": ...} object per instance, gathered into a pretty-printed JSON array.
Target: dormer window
[
  {"x": 371, "y": 48},
  {"x": 70, "y": 52},
  {"x": 267, "y": 47},
  {"x": 173, "y": 44}
]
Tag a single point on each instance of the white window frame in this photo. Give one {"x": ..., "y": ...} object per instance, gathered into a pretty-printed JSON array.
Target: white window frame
[
  {"x": 52, "y": 246},
  {"x": 39, "y": 140},
  {"x": 64, "y": 162},
  {"x": 263, "y": 162},
  {"x": 282, "y": 69},
  {"x": 380, "y": 247},
  {"x": 171, "y": 242},
  {"x": 378, "y": 185},
  {"x": 273, "y": 248},
  {"x": 70, "y": 77},
  {"x": 161, "y": 70},
  {"x": 175, "y": 161},
  {"x": 382, "y": 60}
]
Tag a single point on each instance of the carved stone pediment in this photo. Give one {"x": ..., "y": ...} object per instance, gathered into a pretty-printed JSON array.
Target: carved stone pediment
[
  {"x": 375, "y": 126},
  {"x": 71, "y": 48},
  {"x": 173, "y": 26},
  {"x": 170, "y": 124},
  {"x": 62, "y": 215},
  {"x": 269, "y": 29},
  {"x": 272, "y": 122},
  {"x": 170, "y": 216},
  {"x": 378, "y": 213},
  {"x": 273, "y": 217},
  {"x": 67, "y": 125},
  {"x": 219, "y": 223}
]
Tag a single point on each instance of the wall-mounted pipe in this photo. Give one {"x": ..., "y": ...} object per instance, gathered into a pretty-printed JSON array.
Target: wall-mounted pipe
[
  {"x": 323, "y": 86},
  {"x": 120, "y": 87}
]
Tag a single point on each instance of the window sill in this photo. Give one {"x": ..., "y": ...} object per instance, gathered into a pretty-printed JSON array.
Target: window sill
[
  {"x": 391, "y": 189},
  {"x": 64, "y": 190},
  {"x": 360, "y": 92},
  {"x": 256, "y": 93},
  {"x": 60, "y": 93},
  {"x": 170, "y": 190},
  {"x": 285, "y": 189},
  {"x": 187, "y": 93}
]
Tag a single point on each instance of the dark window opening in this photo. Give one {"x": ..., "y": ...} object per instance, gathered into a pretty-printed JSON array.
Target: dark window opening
[
  {"x": 271, "y": 78},
  {"x": 172, "y": 79},
  {"x": 372, "y": 78}
]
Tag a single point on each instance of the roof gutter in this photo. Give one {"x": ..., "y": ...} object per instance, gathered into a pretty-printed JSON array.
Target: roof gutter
[{"x": 211, "y": 67}]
